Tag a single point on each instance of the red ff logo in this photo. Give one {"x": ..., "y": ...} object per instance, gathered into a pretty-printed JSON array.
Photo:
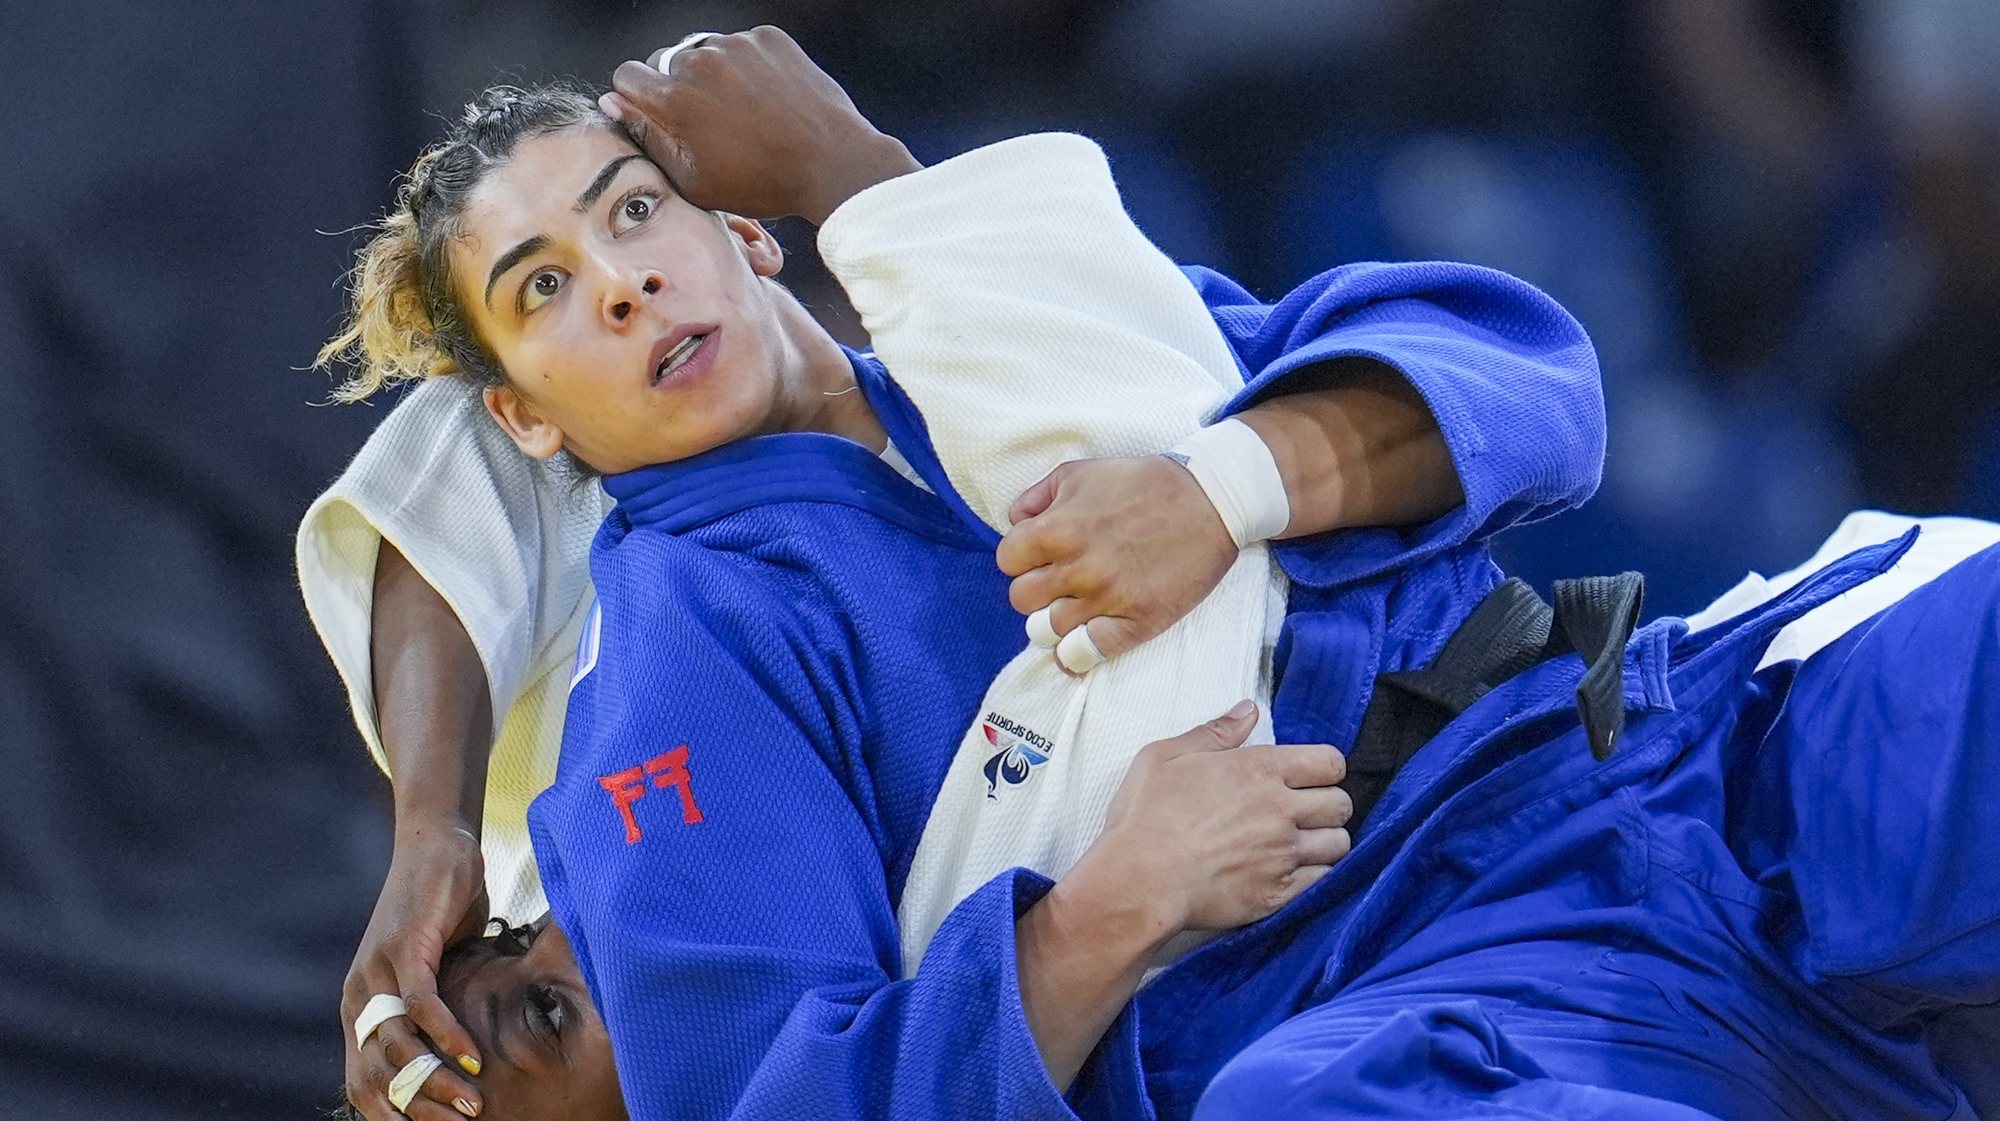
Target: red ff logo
[{"x": 629, "y": 785}]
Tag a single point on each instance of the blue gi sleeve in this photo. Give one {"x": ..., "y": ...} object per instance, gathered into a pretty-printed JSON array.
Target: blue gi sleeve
[
  {"x": 710, "y": 852},
  {"x": 1510, "y": 376}
]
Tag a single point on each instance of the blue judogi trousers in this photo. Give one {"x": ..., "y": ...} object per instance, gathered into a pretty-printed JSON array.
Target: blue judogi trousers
[{"x": 1779, "y": 898}]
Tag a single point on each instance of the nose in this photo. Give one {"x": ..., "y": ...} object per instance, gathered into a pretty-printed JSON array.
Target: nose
[{"x": 623, "y": 295}]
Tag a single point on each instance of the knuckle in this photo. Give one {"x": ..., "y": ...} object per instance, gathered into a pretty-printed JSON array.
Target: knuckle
[
  {"x": 1343, "y": 806},
  {"x": 1112, "y": 635},
  {"x": 1339, "y": 762},
  {"x": 427, "y": 1005},
  {"x": 397, "y": 1049},
  {"x": 1088, "y": 575},
  {"x": 1059, "y": 538},
  {"x": 1278, "y": 891},
  {"x": 1259, "y": 762}
]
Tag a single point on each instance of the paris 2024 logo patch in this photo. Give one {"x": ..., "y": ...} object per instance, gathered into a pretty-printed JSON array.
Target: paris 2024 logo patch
[{"x": 1019, "y": 750}]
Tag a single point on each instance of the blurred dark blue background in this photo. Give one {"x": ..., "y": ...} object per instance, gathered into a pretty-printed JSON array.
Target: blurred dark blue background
[{"x": 1780, "y": 220}]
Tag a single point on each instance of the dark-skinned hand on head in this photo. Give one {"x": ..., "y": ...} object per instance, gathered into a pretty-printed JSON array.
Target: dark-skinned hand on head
[{"x": 746, "y": 123}]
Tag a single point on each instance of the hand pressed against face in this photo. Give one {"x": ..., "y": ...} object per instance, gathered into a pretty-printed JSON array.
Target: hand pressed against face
[
  {"x": 633, "y": 327},
  {"x": 545, "y": 1049}
]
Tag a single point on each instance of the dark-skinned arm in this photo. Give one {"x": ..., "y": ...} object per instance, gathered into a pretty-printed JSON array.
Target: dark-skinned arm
[
  {"x": 435, "y": 715},
  {"x": 1356, "y": 446}
]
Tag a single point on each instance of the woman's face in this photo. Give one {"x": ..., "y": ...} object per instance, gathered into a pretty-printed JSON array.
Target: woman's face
[
  {"x": 544, "y": 1050},
  {"x": 633, "y": 328}
]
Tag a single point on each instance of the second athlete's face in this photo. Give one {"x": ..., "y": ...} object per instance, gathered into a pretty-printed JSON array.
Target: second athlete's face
[
  {"x": 633, "y": 328},
  {"x": 545, "y": 1054}
]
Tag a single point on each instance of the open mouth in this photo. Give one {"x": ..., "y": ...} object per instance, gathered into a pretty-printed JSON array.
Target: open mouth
[{"x": 682, "y": 353}]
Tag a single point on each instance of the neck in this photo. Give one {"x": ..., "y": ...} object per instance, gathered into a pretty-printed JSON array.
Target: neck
[{"x": 825, "y": 397}]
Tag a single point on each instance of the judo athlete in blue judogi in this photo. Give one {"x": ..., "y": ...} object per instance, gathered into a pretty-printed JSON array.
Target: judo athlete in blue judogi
[
  {"x": 824, "y": 636},
  {"x": 1748, "y": 908},
  {"x": 1774, "y": 899}
]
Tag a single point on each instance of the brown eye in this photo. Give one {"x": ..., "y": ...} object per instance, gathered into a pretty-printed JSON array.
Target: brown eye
[
  {"x": 637, "y": 209},
  {"x": 542, "y": 286}
]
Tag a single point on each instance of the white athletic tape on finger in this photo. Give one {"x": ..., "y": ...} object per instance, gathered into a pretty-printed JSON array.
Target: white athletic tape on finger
[
  {"x": 1236, "y": 470},
  {"x": 1041, "y": 631},
  {"x": 687, "y": 43},
  {"x": 381, "y": 1008},
  {"x": 1078, "y": 653},
  {"x": 403, "y": 1088}
]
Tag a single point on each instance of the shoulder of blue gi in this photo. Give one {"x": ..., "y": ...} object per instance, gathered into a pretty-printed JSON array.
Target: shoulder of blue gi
[{"x": 709, "y": 847}]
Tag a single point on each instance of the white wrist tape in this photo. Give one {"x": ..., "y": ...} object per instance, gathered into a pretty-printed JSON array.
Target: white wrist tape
[{"x": 1238, "y": 473}]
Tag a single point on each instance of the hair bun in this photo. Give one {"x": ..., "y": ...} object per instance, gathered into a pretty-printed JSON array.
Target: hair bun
[{"x": 493, "y": 105}]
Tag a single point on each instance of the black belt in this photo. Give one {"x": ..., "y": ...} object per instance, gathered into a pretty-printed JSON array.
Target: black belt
[{"x": 1511, "y": 630}]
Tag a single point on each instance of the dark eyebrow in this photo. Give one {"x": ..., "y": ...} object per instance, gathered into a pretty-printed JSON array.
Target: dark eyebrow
[
  {"x": 511, "y": 258},
  {"x": 597, "y": 186},
  {"x": 537, "y": 243},
  {"x": 493, "y": 1030}
]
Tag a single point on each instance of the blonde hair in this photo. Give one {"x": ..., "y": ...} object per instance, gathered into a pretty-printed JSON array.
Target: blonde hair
[{"x": 404, "y": 322}]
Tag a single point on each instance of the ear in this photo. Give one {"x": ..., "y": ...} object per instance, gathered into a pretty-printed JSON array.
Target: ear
[
  {"x": 762, "y": 250},
  {"x": 536, "y": 436}
]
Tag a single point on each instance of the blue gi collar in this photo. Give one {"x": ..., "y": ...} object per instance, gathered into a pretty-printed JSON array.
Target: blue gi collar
[
  {"x": 801, "y": 467},
  {"x": 907, "y": 430}
]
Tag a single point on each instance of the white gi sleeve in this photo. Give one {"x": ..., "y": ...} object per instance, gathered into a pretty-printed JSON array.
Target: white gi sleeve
[
  {"x": 1026, "y": 317},
  {"x": 1031, "y": 322},
  {"x": 503, "y": 539},
  {"x": 1942, "y": 543}
]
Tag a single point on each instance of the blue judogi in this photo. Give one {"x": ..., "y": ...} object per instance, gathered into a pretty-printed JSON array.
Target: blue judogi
[
  {"x": 793, "y": 638},
  {"x": 1773, "y": 901}
]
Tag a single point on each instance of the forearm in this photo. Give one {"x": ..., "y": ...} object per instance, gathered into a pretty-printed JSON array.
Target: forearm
[
  {"x": 1081, "y": 952},
  {"x": 861, "y": 162},
  {"x": 1357, "y": 447},
  {"x": 431, "y": 700}
]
